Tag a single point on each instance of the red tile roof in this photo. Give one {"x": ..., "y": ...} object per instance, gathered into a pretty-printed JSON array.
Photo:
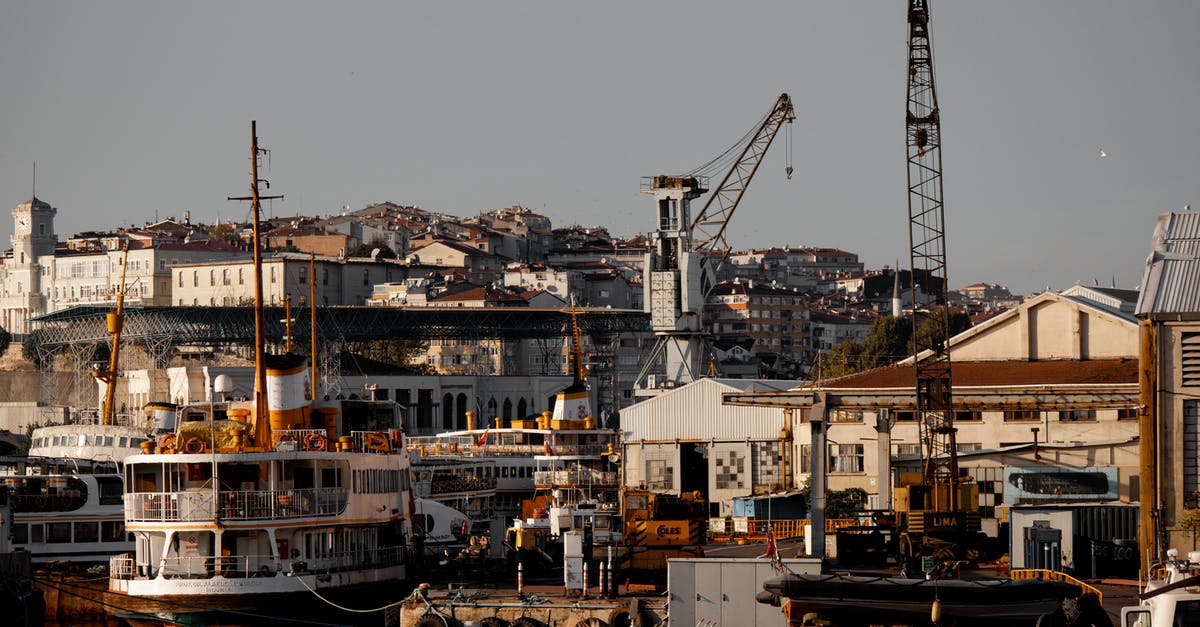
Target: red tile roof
[{"x": 995, "y": 373}]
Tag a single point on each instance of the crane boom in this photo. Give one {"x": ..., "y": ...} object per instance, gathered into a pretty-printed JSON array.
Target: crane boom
[
  {"x": 681, "y": 268},
  {"x": 927, "y": 239}
]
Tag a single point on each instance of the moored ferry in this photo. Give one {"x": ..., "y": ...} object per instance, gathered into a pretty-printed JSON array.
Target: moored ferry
[
  {"x": 319, "y": 508},
  {"x": 273, "y": 503},
  {"x": 66, "y": 510}
]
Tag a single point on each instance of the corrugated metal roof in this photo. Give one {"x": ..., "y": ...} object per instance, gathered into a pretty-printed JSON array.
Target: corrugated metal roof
[
  {"x": 1171, "y": 282},
  {"x": 695, "y": 412}
]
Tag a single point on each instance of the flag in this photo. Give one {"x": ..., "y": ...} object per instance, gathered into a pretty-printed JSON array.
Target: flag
[{"x": 482, "y": 439}]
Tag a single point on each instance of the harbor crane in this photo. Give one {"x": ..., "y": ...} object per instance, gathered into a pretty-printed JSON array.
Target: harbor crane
[
  {"x": 939, "y": 510},
  {"x": 681, "y": 268}
]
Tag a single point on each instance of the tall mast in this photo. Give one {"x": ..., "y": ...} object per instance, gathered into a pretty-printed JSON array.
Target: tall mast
[
  {"x": 262, "y": 424},
  {"x": 927, "y": 240},
  {"x": 116, "y": 321}
]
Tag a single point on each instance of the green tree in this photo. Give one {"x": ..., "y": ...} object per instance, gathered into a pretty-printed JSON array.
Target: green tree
[
  {"x": 845, "y": 358},
  {"x": 1190, "y": 522},
  {"x": 365, "y": 250},
  {"x": 888, "y": 341},
  {"x": 932, "y": 328},
  {"x": 5, "y": 340},
  {"x": 30, "y": 348}
]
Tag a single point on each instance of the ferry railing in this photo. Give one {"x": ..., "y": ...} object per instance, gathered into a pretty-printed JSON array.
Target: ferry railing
[
  {"x": 1042, "y": 573},
  {"x": 372, "y": 441},
  {"x": 574, "y": 477},
  {"x": 458, "y": 447},
  {"x": 121, "y": 566},
  {"x": 240, "y": 505},
  {"x": 248, "y": 566},
  {"x": 298, "y": 436}
]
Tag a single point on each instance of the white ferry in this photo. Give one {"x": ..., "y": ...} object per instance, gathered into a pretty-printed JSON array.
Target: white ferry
[
  {"x": 268, "y": 504},
  {"x": 66, "y": 510}
]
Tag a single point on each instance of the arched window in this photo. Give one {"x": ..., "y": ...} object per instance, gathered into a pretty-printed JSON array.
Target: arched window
[
  {"x": 521, "y": 409},
  {"x": 460, "y": 415},
  {"x": 507, "y": 409},
  {"x": 491, "y": 408},
  {"x": 447, "y": 411}
]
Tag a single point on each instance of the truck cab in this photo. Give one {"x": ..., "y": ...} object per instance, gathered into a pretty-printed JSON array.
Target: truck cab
[{"x": 1173, "y": 599}]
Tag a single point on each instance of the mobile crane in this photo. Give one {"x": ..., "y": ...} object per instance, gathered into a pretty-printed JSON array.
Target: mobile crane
[
  {"x": 681, "y": 268},
  {"x": 937, "y": 510}
]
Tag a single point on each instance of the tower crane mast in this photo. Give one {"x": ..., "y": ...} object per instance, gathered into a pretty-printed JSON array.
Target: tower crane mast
[
  {"x": 938, "y": 509},
  {"x": 681, "y": 268},
  {"x": 927, "y": 239}
]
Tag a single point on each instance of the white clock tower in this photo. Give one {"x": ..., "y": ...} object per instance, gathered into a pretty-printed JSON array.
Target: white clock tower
[{"x": 33, "y": 238}]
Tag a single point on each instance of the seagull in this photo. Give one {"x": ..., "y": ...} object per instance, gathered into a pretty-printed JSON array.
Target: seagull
[{"x": 1103, "y": 154}]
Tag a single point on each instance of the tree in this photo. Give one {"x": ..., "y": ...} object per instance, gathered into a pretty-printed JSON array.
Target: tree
[
  {"x": 30, "y": 348},
  {"x": 1190, "y": 522},
  {"x": 888, "y": 341},
  {"x": 932, "y": 327},
  {"x": 365, "y": 250},
  {"x": 5, "y": 340},
  {"x": 838, "y": 503}
]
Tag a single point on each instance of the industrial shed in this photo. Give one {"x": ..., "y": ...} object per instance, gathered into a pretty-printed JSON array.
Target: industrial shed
[{"x": 685, "y": 440}]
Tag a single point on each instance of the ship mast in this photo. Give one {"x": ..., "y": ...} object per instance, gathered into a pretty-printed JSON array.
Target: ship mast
[
  {"x": 262, "y": 425},
  {"x": 116, "y": 321}
]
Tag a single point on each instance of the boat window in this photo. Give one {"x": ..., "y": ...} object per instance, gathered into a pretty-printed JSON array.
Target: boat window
[
  {"x": 20, "y": 533},
  {"x": 108, "y": 440},
  {"x": 110, "y": 490},
  {"x": 37, "y": 533},
  {"x": 112, "y": 531},
  {"x": 123, "y": 442},
  {"x": 58, "y": 533},
  {"x": 89, "y": 440},
  {"x": 88, "y": 531}
]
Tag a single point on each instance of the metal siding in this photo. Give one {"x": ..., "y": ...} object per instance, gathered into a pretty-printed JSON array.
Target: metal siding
[
  {"x": 695, "y": 412},
  {"x": 1172, "y": 285}
]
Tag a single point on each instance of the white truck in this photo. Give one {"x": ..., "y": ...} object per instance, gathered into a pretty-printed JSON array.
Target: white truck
[{"x": 1173, "y": 600}]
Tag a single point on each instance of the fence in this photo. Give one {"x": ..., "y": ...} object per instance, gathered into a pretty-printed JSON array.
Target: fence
[
  {"x": 1041, "y": 573},
  {"x": 241, "y": 505}
]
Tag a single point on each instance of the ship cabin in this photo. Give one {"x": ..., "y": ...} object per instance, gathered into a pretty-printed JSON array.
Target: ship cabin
[{"x": 328, "y": 497}]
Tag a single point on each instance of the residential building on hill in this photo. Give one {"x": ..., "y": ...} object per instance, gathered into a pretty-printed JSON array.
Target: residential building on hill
[{"x": 775, "y": 319}]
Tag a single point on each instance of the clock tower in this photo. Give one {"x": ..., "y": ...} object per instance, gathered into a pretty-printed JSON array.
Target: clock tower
[{"x": 33, "y": 237}]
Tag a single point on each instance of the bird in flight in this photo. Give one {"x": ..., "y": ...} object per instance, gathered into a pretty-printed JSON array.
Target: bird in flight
[{"x": 1103, "y": 154}]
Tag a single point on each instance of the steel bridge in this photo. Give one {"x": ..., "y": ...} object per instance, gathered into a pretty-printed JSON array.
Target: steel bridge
[{"x": 208, "y": 326}]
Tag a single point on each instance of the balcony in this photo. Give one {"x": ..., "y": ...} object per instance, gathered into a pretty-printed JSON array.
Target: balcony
[{"x": 198, "y": 506}]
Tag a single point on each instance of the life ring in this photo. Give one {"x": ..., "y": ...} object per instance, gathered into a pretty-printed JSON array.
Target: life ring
[
  {"x": 168, "y": 443},
  {"x": 316, "y": 442},
  {"x": 377, "y": 442},
  {"x": 194, "y": 445}
]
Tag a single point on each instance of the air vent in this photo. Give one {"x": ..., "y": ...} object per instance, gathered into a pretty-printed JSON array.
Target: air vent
[{"x": 1190, "y": 360}]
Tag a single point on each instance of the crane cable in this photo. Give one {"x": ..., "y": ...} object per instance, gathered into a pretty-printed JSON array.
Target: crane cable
[{"x": 721, "y": 162}]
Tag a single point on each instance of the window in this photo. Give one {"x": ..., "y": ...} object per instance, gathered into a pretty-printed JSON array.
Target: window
[
  {"x": 58, "y": 532},
  {"x": 967, "y": 447},
  {"x": 195, "y": 278},
  {"x": 111, "y": 531},
  {"x": 225, "y": 276},
  {"x": 1127, "y": 414},
  {"x": 908, "y": 450},
  {"x": 241, "y": 276},
  {"x": 180, "y": 279},
  {"x": 659, "y": 475},
  {"x": 88, "y": 531},
  {"x": 212, "y": 278},
  {"x": 843, "y": 415},
  {"x": 1077, "y": 415},
  {"x": 1022, "y": 415},
  {"x": 968, "y": 416},
  {"x": 906, "y": 416},
  {"x": 1191, "y": 449},
  {"x": 845, "y": 458}
]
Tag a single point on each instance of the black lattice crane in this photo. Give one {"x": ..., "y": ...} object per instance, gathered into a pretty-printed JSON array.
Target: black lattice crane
[{"x": 927, "y": 238}]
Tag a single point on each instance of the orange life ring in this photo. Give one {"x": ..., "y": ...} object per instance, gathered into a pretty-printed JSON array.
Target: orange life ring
[
  {"x": 376, "y": 442},
  {"x": 316, "y": 442},
  {"x": 194, "y": 445},
  {"x": 168, "y": 443}
]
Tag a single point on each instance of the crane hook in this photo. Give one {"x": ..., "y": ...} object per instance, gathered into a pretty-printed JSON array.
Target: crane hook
[{"x": 789, "y": 172}]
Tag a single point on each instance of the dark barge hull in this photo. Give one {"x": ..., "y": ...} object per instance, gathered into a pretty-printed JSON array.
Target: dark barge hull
[{"x": 868, "y": 600}]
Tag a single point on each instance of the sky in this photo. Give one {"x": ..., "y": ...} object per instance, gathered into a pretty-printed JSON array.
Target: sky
[{"x": 134, "y": 111}]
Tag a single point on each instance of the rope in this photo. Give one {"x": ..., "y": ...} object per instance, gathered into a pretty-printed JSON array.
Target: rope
[{"x": 344, "y": 608}]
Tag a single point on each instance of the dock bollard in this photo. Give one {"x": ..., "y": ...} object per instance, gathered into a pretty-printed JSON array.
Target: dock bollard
[
  {"x": 520, "y": 580},
  {"x": 603, "y": 582}
]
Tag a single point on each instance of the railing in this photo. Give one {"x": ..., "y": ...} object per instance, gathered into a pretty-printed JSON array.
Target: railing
[
  {"x": 245, "y": 566},
  {"x": 243, "y": 505},
  {"x": 1042, "y": 573},
  {"x": 299, "y": 436},
  {"x": 464, "y": 447},
  {"x": 755, "y": 529},
  {"x": 574, "y": 477}
]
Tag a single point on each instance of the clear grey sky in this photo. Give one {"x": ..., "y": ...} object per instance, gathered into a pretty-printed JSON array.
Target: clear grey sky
[{"x": 138, "y": 109}]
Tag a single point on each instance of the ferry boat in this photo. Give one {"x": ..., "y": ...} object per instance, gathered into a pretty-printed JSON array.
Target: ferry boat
[
  {"x": 66, "y": 510},
  {"x": 1172, "y": 598},
  {"x": 278, "y": 503}
]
